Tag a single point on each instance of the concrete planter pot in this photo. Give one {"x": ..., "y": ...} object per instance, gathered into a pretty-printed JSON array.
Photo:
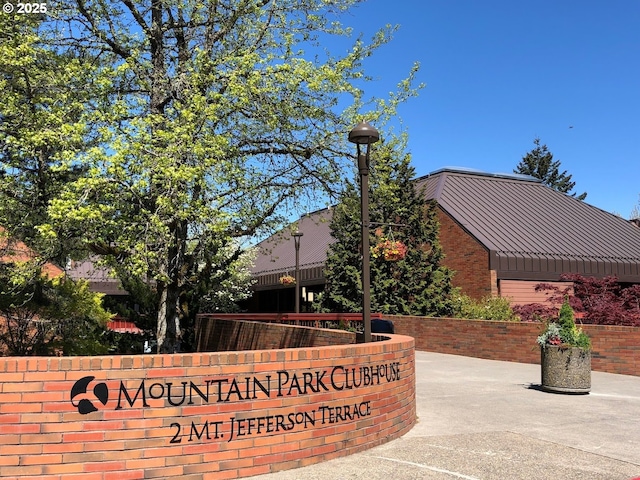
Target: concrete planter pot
[{"x": 565, "y": 369}]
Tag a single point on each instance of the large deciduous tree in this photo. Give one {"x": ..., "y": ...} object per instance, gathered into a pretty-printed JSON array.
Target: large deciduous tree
[
  {"x": 215, "y": 118},
  {"x": 44, "y": 94},
  {"x": 539, "y": 163},
  {"x": 413, "y": 285}
]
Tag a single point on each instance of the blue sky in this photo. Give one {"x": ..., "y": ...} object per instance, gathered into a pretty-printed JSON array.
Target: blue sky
[{"x": 499, "y": 73}]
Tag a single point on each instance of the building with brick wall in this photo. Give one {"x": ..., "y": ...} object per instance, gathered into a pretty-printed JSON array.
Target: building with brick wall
[
  {"x": 15, "y": 251},
  {"x": 501, "y": 233}
]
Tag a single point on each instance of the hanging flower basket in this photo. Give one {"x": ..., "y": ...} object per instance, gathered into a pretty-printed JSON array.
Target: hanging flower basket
[
  {"x": 389, "y": 250},
  {"x": 287, "y": 280}
]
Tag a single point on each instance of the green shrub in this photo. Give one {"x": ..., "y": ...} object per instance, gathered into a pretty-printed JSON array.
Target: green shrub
[
  {"x": 564, "y": 331},
  {"x": 46, "y": 316},
  {"x": 488, "y": 308}
]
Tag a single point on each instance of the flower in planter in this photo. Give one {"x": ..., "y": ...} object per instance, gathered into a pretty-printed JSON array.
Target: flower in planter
[
  {"x": 287, "y": 280},
  {"x": 563, "y": 332},
  {"x": 389, "y": 250}
]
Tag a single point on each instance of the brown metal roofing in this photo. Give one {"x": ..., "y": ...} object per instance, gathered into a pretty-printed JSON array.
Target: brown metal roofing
[
  {"x": 99, "y": 278},
  {"x": 276, "y": 255},
  {"x": 532, "y": 229}
]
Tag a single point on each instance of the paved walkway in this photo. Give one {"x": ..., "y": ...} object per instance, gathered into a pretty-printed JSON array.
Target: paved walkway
[{"x": 487, "y": 420}]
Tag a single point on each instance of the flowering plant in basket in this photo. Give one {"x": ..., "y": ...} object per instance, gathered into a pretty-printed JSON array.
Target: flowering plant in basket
[
  {"x": 389, "y": 250},
  {"x": 287, "y": 280}
]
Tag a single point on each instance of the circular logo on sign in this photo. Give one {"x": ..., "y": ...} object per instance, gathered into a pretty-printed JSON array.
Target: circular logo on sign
[{"x": 80, "y": 398}]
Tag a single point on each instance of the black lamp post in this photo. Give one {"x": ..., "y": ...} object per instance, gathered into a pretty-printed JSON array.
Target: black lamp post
[
  {"x": 364, "y": 134},
  {"x": 296, "y": 241}
]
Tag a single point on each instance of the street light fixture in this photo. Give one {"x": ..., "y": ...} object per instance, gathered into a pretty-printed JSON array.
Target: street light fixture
[
  {"x": 364, "y": 134},
  {"x": 296, "y": 241}
]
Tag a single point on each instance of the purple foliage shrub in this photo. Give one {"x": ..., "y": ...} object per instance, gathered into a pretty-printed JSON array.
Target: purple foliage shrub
[{"x": 599, "y": 301}]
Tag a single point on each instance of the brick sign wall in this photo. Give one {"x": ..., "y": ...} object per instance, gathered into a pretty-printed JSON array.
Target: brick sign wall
[{"x": 201, "y": 416}]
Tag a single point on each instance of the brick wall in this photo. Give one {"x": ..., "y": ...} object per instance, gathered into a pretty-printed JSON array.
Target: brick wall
[
  {"x": 616, "y": 349},
  {"x": 467, "y": 257},
  {"x": 201, "y": 416},
  {"x": 223, "y": 335}
]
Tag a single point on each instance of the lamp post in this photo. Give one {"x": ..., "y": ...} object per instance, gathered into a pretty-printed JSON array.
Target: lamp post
[
  {"x": 296, "y": 241},
  {"x": 364, "y": 134}
]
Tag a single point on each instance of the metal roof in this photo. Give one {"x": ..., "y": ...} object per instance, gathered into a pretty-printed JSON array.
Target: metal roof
[
  {"x": 533, "y": 231},
  {"x": 276, "y": 255}
]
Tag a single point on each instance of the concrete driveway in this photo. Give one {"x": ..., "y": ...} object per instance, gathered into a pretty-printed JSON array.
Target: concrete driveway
[{"x": 488, "y": 420}]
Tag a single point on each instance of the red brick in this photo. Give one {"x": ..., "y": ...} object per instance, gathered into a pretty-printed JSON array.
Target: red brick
[
  {"x": 615, "y": 348},
  {"x": 72, "y": 437},
  {"x": 12, "y": 460},
  {"x": 19, "y": 428},
  {"x": 164, "y": 473},
  {"x": 130, "y": 433},
  {"x": 104, "y": 466},
  {"x": 126, "y": 475},
  {"x": 20, "y": 471}
]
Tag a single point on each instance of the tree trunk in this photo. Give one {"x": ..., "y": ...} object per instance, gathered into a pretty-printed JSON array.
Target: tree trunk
[
  {"x": 169, "y": 333},
  {"x": 168, "y": 330}
]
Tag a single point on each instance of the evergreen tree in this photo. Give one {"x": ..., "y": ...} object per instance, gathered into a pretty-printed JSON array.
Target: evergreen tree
[
  {"x": 413, "y": 285},
  {"x": 539, "y": 163}
]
